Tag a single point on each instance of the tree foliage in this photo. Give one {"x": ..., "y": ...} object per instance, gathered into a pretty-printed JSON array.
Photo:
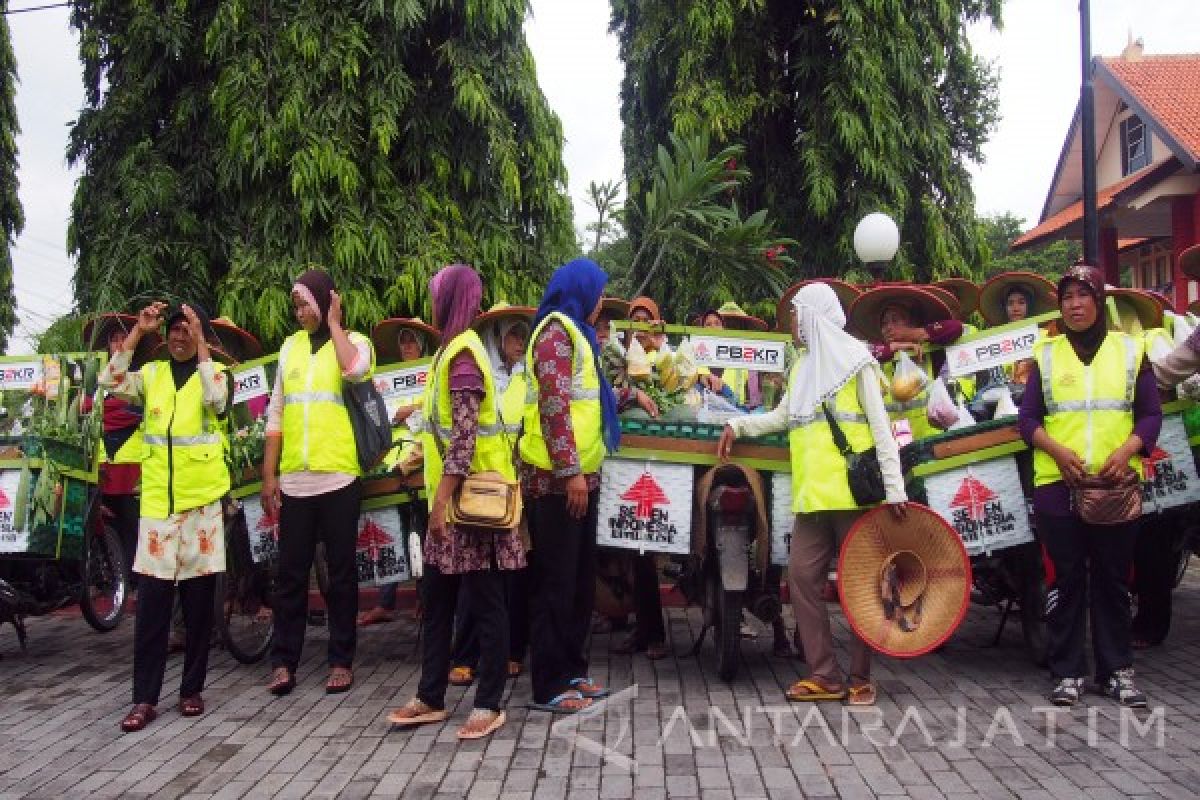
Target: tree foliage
[
  {"x": 844, "y": 107},
  {"x": 227, "y": 144},
  {"x": 1051, "y": 260},
  {"x": 12, "y": 218}
]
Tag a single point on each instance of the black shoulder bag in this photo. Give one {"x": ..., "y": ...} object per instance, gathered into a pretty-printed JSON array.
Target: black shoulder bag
[{"x": 863, "y": 472}]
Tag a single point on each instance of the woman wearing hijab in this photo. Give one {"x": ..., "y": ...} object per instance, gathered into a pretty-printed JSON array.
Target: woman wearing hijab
[
  {"x": 1091, "y": 408},
  {"x": 310, "y": 443},
  {"x": 181, "y": 538},
  {"x": 1012, "y": 297},
  {"x": 570, "y": 424},
  {"x": 462, "y": 435},
  {"x": 835, "y": 371}
]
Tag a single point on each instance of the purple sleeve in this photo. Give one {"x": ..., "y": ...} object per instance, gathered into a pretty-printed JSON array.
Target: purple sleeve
[
  {"x": 1147, "y": 409},
  {"x": 1032, "y": 413},
  {"x": 881, "y": 352},
  {"x": 944, "y": 332},
  {"x": 465, "y": 375}
]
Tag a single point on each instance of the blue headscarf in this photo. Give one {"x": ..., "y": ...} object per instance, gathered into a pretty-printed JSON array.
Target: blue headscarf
[{"x": 574, "y": 290}]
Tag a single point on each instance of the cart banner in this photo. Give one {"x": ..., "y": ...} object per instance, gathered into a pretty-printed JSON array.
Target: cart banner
[
  {"x": 992, "y": 350},
  {"x": 380, "y": 550},
  {"x": 249, "y": 384},
  {"x": 984, "y": 503},
  {"x": 20, "y": 375},
  {"x": 1171, "y": 478},
  {"x": 783, "y": 520},
  {"x": 12, "y": 538},
  {"x": 646, "y": 506},
  {"x": 402, "y": 384},
  {"x": 756, "y": 355},
  {"x": 263, "y": 531}
]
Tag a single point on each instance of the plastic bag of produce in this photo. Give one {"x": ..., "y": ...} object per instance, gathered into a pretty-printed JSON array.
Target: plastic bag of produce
[
  {"x": 1005, "y": 407},
  {"x": 637, "y": 363},
  {"x": 685, "y": 363},
  {"x": 965, "y": 420},
  {"x": 908, "y": 380},
  {"x": 941, "y": 410}
]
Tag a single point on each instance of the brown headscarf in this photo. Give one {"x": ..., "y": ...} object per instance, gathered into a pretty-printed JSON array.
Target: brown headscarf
[
  {"x": 1088, "y": 342},
  {"x": 320, "y": 286}
]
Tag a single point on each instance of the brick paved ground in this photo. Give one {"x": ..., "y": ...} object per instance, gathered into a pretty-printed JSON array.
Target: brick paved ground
[{"x": 956, "y": 724}]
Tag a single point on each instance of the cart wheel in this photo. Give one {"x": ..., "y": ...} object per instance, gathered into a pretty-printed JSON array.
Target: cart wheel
[
  {"x": 728, "y": 628},
  {"x": 244, "y": 620},
  {"x": 105, "y": 581}
]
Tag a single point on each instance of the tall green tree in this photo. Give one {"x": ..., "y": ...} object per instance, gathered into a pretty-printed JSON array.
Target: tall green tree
[
  {"x": 1051, "y": 260},
  {"x": 844, "y": 107},
  {"x": 12, "y": 218},
  {"x": 237, "y": 141}
]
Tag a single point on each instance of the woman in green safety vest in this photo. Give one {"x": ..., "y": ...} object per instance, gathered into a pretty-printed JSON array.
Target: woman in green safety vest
[
  {"x": 465, "y": 432},
  {"x": 1091, "y": 410},
  {"x": 835, "y": 377},
  {"x": 181, "y": 537},
  {"x": 316, "y": 493}
]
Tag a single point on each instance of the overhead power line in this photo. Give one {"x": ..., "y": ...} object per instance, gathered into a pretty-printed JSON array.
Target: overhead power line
[{"x": 36, "y": 8}]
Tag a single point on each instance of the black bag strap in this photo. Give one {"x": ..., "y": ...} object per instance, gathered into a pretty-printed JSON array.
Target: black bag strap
[{"x": 839, "y": 438}]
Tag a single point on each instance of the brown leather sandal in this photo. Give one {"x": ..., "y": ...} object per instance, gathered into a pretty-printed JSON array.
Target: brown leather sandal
[
  {"x": 340, "y": 680},
  {"x": 138, "y": 718},
  {"x": 282, "y": 681},
  {"x": 191, "y": 706}
]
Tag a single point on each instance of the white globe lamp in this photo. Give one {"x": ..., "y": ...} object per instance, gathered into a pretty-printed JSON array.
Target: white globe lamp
[{"x": 876, "y": 240}]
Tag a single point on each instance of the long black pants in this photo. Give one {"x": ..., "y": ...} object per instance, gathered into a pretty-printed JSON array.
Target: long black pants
[
  {"x": 151, "y": 630},
  {"x": 465, "y": 652},
  {"x": 331, "y": 518},
  {"x": 1091, "y": 565},
  {"x": 563, "y": 578},
  {"x": 1156, "y": 557},
  {"x": 647, "y": 601},
  {"x": 485, "y": 605}
]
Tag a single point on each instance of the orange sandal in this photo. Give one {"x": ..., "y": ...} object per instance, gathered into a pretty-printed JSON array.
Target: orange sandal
[
  {"x": 808, "y": 690},
  {"x": 862, "y": 694}
]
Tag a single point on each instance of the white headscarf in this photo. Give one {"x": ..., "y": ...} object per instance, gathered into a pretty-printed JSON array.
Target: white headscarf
[
  {"x": 495, "y": 349},
  {"x": 832, "y": 358}
]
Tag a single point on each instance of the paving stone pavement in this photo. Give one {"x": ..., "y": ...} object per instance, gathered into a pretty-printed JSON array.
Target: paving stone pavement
[{"x": 969, "y": 721}]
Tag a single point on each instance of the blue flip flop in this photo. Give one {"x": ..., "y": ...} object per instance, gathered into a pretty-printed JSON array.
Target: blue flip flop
[
  {"x": 555, "y": 706},
  {"x": 597, "y": 692}
]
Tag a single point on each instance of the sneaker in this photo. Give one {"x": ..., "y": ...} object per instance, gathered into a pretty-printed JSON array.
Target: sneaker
[
  {"x": 1066, "y": 693},
  {"x": 1120, "y": 687}
]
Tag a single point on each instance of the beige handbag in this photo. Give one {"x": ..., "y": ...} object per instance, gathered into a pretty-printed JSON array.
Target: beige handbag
[{"x": 487, "y": 500}]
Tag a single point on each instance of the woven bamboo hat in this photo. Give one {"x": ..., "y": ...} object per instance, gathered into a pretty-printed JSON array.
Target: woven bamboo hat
[
  {"x": 965, "y": 291},
  {"x": 384, "y": 337},
  {"x": 994, "y": 296},
  {"x": 738, "y": 320},
  {"x": 503, "y": 311},
  {"x": 924, "y": 303},
  {"x": 97, "y": 330},
  {"x": 905, "y": 585},
  {"x": 846, "y": 293},
  {"x": 237, "y": 342},
  {"x": 1189, "y": 262},
  {"x": 614, "y": 308},
  {"x": 1137, "y": 309}
]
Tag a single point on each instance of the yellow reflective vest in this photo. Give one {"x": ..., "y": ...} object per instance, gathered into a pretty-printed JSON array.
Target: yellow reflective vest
[
  {"x": 1089, "y": 409},
  {"x": 317, "y": 435},
  {"x": 820, "y": 479},
  {"x": 493, "y": 444},
  {"x": 914, "y": 410},
  {"x": 587, "y": 419},
  {"x": 183, "y": 445}
]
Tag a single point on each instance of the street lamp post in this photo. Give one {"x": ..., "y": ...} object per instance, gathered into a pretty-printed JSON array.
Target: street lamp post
[
  {"x": 1087, "y": 125},
  {"x": 876, "y": 240}
]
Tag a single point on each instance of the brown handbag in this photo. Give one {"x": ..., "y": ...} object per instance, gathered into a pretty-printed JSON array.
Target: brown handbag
[{"x": 1099, "y": 502}]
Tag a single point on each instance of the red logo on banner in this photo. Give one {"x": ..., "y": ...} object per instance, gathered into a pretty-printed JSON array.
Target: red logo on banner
[
  {"x": 371, "y": 537},
  {"x": 1151, "y": 461},
  {"x": 4, "y": 501},
  {"x": 973, "y": 496},
  {"x": 647, "y": 494}
]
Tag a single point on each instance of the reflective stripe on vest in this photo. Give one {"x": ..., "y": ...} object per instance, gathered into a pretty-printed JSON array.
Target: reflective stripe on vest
[
  {"x": 317, "y": 434},
  {"x": 1089, "y": 408},
  {"x": 183, "y": 445},
  {"x": 493, "y": 450},
  {"x": 587, "y": 420}
]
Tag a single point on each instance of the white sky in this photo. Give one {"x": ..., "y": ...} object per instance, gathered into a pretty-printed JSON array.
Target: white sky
[{"x": 1037, "y": 53}]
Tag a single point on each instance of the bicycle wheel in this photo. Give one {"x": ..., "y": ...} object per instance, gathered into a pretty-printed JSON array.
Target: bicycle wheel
[
  {"x": 243, "y": 614},
  {"x": 105, "y": 581}
]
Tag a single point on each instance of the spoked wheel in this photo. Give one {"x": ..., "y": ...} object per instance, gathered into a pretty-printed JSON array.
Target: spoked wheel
[
  {"x": 243, "y": 615},
  {"x": 727, "y": 627},
  {"x": 105, "y": 581},
  {"x": 244, "y": 620}
]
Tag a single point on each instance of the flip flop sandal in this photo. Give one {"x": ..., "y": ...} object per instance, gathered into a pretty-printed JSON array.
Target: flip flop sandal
[
  {"x": 497, "y": 721},
  {"x": 555, "y": 706},
  {"x": 462, "y": 676},
  {"x": 590, "y": 689},
  {"x": 339, "y": 687},
  {"x": 863, "y": 695},
  {"x": 419, "y": 714},
  {"x": 280, "y": 687},
  {"x": 191, "y": 706},
  {"x": 807, "y": 691}
]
